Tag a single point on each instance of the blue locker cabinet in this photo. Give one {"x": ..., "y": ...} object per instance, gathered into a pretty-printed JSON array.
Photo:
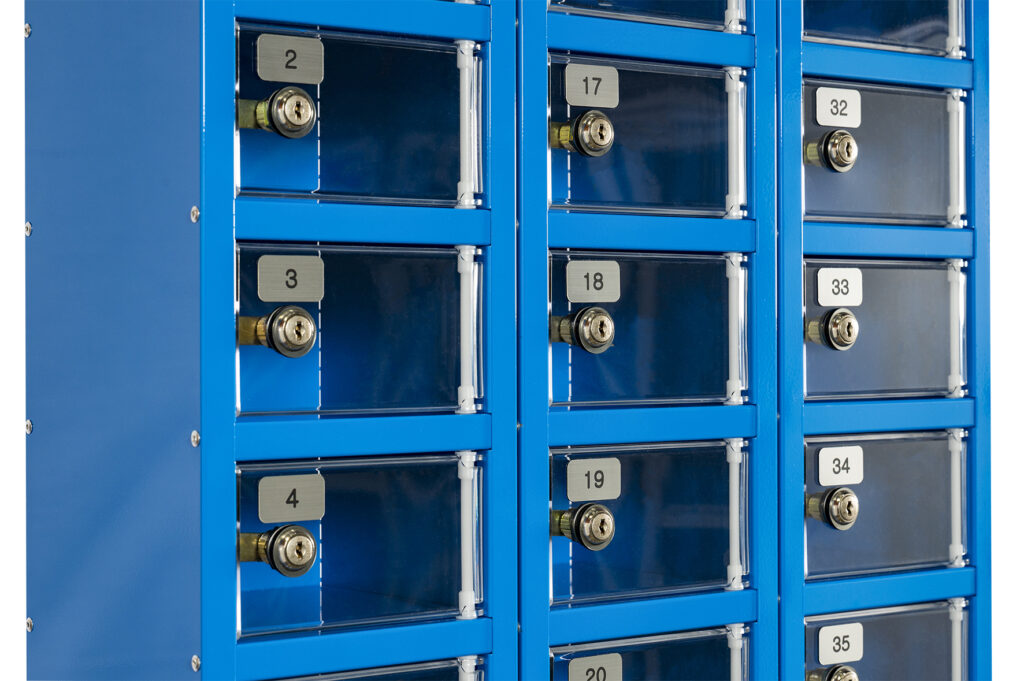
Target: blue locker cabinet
[{"x": 556, "y": 341}]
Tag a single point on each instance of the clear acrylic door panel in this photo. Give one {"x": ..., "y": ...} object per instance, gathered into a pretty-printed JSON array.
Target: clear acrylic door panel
[
  {"x": 687, "y": 656},
  {"x": 673, "y": 328},
  {"x": 905, "y": 165},
  {"x": 928, "y": 26},
  {"x": 387, "y": 131},
  {"x": 356, "y": 541},
  {"x": 665, "y": 142},
  {"x": 883, "y": 328},
  {"x": 385, "y": 332},
  {"x": 698, "y": 13},
  {"x": 461, "y": 669},
  {"x": 923, "y": 642},
  {"x": 908, "y": 489},
  {"x": 670, "y": 506}
]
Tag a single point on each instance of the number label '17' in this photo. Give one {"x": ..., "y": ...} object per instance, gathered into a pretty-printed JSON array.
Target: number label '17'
[
  {"x": 591, "y": 85},
  {"x": 606, "y": 667}
]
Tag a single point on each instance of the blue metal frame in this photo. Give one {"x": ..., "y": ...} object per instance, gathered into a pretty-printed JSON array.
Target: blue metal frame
[
  {"x": 543, "y": 626},
  {"x": 227, "y": 438},
  {"x": 796, "y": 239}
]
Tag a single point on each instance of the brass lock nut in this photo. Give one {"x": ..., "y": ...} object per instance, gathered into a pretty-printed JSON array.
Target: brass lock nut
[
  {"x": 289, "y": 330},
  {"x": 591, "y": 525},
  {"x": 289, "y": 549},
  {"x": 590, "y": 328},
  {"x": 837, "y": 329},
  {"x": 591, "y": 134},
  {"x": 838, "y": 507},
  {"x": 290, "y": 112}
]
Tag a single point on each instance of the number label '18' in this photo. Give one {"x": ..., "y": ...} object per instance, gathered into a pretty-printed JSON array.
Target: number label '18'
[
  {"x": 841, "y": 643},
  {"x": 840, "y": 466},
  {"x": 592, "y": 281},
  {"x": 590, "y": 85},
  {"x": 837, "y": 107},
  {"x": 840, "y": 287},
  {"x": 606, "y": 667}
]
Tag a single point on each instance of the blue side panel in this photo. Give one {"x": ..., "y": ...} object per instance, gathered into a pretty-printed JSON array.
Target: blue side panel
[{"x": 113, "y": 342}]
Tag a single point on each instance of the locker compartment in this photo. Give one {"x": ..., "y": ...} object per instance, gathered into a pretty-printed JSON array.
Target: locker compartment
[
  {"x": 642, "y": 520},
  {"x": 698, "y": 13},
  {"x": 461, "y": 669},
  {"x": 923, "y": 642},
  {"x": 641, "y": 137},
  {"x": 385, "y": 132},
  {"x": 883, "y": 328},
  {"x": 647, "y": 328},
  {"x": 925, "y": 26},
  {"x": 687, "y": 656},
  {"x": 357, "y": 541},
  {"x": 386, "y": 329},
  {"x": 875, "y": 153},
  {"x": 880, "y": 503}
]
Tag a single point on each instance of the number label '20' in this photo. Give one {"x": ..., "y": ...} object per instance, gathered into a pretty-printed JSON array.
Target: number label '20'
[{"x": 606, "y": 667}]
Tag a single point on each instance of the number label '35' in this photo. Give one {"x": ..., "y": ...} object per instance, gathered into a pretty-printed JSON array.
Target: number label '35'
[{"x": 841, "y": 643}]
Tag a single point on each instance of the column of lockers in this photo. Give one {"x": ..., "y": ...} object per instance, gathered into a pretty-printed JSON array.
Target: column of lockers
[
  {"x": 647, "y": 441},
  {"x": 885, "y": 557},
  {"x": 389, "y": 228}
]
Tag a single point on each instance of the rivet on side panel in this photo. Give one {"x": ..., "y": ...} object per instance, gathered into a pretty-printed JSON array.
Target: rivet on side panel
[
  {"x": 29, "y": 624},
  {"x": 28, "y": 426},
  {"x": 194, "y": 438},
  {"x": 28, "y": 228},
  {"x": 28, "y": 29},
  {"x": 196, "y": 663},
  {"x": 194, "y": 214}
]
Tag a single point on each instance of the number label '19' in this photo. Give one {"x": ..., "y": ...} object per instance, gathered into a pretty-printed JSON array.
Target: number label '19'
[
  {"x": 841, "y": 643},
  {"x": 840, "y": 287},
  {"x": 590, "y": 85},
  {"x": 606, "y": 667},
  {"x": 592, "y": 281},
  {"x": 593, "y": 479},
  {"x": 837, "y": 107},
  {"x": 840, "y": 466}
]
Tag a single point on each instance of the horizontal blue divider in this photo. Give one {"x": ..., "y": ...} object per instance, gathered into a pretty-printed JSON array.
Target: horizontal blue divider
[
  {"x": 278, "y": 658},
  {"x": 649, "y": 232},
  {"x": 821, "y": 418},
  {"x": 648, "y": 41},
  {"x": 412, "y": 17},
  {"x": 887, "y": 590},
  {"x": 885, "y": 66},
  {"x": 650, "y": 424},
  {"x": 267, "y": 438},
  {"x": 887, "y": 241},
  {"x": 305, "y": 219},
  {"x": 652, "y": 616}
]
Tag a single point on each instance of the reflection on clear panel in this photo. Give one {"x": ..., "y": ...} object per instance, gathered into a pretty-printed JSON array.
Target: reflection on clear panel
[{"x": 928, "y": 26}]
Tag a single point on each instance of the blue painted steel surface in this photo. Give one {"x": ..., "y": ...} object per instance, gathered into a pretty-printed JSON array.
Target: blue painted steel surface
[
  {"x": 113, "y": 339},
  {"x": 797, "y": 419}
]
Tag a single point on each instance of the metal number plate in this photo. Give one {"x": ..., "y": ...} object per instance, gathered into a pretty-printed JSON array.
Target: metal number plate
[
  {"x": 289, "y": 59},
  {"x": 840, "y": 287},
  {"x": 593, "y": 479},
  {"x": 596, "y": 668},
  {"x": 592, "y": 281},
  {"x": 587, "y": 85},
  {"x": 837, "y": 107},
  {"x": 841, "y": 643},
  {"x": 840, "y": 466},
  {"x": 291, "y": 498},
  {"x": 290, "y": 278}
]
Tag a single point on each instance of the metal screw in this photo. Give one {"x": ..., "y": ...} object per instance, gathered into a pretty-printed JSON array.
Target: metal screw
[
  {"x": 194, "y": 438},
  {"x": 194, "y": 214},
  {"x": 29, "y": 624},
  {"x": 28, "y": 228},
  {"x": 28, "y": 426},
  {"x": 28, "y": 29},
  {"x": 196, "y": 663}
]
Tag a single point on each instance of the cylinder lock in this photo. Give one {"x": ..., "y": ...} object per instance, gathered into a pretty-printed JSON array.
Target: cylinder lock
[
  {"x": 290, "y": 112},
  {"x": 837, "y": 329},
  {"x": 289, "y": 549},
  {"x": 590, "y": 328},
  {"x": 591, "y": 525},
  {"x": 591, "y": 134},
  {"x": 290, "y": 330},
  {"x": 840, "y": 672},
  {"x": 837, "y": 507},
  {"x": 836, "y": 150}
]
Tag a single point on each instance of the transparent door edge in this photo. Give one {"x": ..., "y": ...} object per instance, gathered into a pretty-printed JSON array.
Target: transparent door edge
[
  {"x": 879, "y": 612},
  {"x": 469, "y": 124},
  {"x": 958, "y": 621},
  {"x": 734, "y": 448},
  {"x": 957, "y": 151},
  {"x": 955, "y": 39},
  {"x": 737, "y": 278},
  {"x": 695, "y": 634},
  {"x": 736, "y": 103},
  {"x": 469, "y": 300},
  {"x": 469, "y": 533},
  {"x": 958, "y": 540},
  {"x": 737, "y": 648},
  {"x": 735, "y": 16},
  {"x": 957, "y": 319}
]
